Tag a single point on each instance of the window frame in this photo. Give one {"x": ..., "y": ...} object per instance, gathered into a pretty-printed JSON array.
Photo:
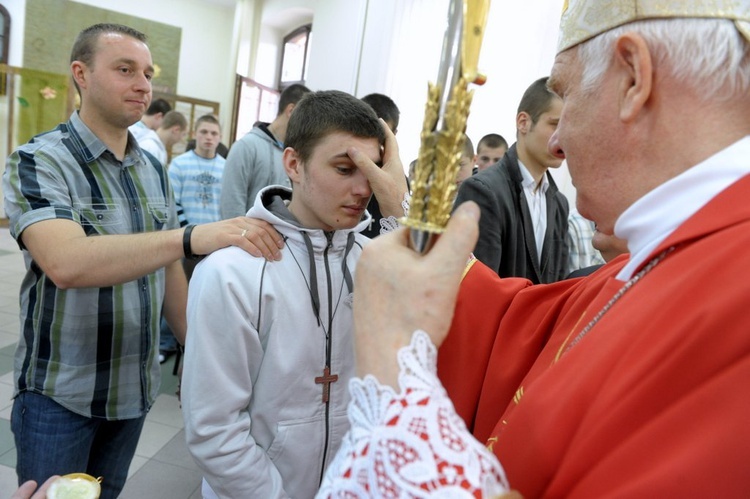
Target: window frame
[
  {"x": 307, "y": 31},
  {"x": 5, "y": 45}
]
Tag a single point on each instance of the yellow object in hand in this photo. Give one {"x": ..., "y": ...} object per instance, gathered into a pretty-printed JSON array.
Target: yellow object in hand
[{"x": 75, "y": 486}]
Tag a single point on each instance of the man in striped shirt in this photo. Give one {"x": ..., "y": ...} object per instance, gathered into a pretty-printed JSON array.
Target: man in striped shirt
[{"x": 97, "y": 224}]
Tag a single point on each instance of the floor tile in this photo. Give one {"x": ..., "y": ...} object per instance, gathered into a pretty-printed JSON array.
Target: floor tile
[
  {"x": 6, "y": 437},
  {"x": 164, "y": 411},
  {"x": 6, "y": 364},
  {"x": 8, "y": 481},
  {"x": 136, "y": 464},
  {"x": 171, "y": 482},
  {"x": 8, "y": 459},
  {"x": 153, "y": 438},
  {"x": 175, "y": 452},
  {"x": 6, "y": 396}
]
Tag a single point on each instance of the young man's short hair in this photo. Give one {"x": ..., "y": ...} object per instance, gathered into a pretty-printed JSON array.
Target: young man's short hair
[
  {"x": 321, "y": 113},
  {"x": 207, "y": 118},
  {"x": 158, "y": 106},
  {"x": 174, "y": 118},
  {"x": 291, "y": 95},
  {"x": 384, "y": 107},
  {"x": 492, "y": 141},
  {"x": 536, "y": 100}
]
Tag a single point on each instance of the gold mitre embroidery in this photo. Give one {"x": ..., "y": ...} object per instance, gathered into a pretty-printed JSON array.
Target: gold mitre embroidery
[{"x": 585, "y": 19}]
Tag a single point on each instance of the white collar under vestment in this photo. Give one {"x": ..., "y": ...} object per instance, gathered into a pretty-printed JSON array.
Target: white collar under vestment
[{"x": 651, "y": 219}]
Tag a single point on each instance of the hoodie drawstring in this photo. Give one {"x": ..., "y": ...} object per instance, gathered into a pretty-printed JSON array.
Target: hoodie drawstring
[{"x": 314, "y": 296}]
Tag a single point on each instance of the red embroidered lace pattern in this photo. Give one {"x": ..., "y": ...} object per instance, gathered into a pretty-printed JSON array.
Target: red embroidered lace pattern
[{"x": 411, "y": 444}]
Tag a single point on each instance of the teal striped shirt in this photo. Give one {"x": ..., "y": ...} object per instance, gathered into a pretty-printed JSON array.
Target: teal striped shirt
[{"x": 92, "y": 350}]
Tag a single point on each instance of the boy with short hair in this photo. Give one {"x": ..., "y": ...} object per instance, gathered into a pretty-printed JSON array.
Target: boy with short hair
[
  {"x": 270, "y": 347},
  {"x": 490, "y": 149},
  {"x": 159, "y": 143},
  {"x": 196, "y": 175}
]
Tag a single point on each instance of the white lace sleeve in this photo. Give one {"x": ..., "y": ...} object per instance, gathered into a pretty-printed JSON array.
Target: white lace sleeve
[
  {"x": 411, "y": 444},
  {"x": 389, "y": 224}
]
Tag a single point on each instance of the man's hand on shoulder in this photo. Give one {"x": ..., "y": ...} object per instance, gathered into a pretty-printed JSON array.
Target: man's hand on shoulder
[{"x": 255, "y": 236}]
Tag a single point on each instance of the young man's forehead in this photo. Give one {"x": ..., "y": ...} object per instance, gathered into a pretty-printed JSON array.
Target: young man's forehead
[
  {"x": 205, "y": 125},
  {"x": 341, "y": 140}
]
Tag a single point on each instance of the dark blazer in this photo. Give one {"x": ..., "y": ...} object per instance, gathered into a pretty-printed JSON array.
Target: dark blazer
[{"x": 506, "y": 235}]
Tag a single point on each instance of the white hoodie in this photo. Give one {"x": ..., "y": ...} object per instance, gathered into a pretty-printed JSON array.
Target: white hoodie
[{"x": 254, "y": 417}]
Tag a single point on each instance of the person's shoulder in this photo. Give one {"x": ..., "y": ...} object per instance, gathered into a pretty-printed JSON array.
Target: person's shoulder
[
  {"x": 231, "y": 260},
  {"x": 46, "y": 145},
  {"x": 254, "y": 137},
  {"x": 182, "y": 159},
  {"x": 490, "y": 179},
  {"x": 147, "y": 136},
  {"x": 243, "y": 147}
]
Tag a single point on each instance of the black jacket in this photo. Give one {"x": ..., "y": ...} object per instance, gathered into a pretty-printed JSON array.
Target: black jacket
[{"x": 506, "y": 235}]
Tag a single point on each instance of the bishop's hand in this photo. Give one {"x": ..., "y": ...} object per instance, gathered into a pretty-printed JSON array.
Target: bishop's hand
[{"x": 399, "y": 291}]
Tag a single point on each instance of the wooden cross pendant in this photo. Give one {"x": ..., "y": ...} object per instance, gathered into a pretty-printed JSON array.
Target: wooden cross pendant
[{"x": 326, "y": 381}]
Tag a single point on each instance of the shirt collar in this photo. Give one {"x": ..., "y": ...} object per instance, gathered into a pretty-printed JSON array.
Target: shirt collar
[
  {"x": 528, "y": 181},
  {"x": 89, "y": 147}
]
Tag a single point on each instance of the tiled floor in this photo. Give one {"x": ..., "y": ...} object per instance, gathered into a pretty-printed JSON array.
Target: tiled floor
[{"x": 162, "y": 467}]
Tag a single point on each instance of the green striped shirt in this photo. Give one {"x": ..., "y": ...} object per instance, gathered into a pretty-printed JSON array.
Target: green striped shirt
[{"x": 92, "y": 350}]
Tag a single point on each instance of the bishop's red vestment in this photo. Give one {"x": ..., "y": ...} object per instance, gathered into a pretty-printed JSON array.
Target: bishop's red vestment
[{"x": 654, "y": 401}]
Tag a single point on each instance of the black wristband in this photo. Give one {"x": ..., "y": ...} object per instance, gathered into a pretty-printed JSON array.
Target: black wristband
[{"x": 186, "y": 247}]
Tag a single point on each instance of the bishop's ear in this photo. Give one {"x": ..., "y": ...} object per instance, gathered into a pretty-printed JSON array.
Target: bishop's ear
[{"x": 634, "y": 66}]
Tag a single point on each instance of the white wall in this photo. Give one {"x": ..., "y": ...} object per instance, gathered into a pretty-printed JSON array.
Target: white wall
[
  {"x": 337, "y": 42},
  {"x": 268, "y": 57}
]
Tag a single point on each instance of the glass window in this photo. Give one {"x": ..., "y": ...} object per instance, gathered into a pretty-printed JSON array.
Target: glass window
[
  {"x": 253, "y": 102},
  {"x": 294, "y": 58}
]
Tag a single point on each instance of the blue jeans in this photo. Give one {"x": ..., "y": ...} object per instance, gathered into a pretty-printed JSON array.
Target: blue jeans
[{"x": 51, "y": 440}]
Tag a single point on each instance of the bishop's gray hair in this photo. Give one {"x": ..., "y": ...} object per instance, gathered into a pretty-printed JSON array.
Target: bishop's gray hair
[{"x": 709, "y": 54}]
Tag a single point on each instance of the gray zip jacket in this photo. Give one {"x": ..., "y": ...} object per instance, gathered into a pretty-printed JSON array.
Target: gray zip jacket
[
  {"x": 259, "y": 334},
  {"x": 253, "y": 162}
]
